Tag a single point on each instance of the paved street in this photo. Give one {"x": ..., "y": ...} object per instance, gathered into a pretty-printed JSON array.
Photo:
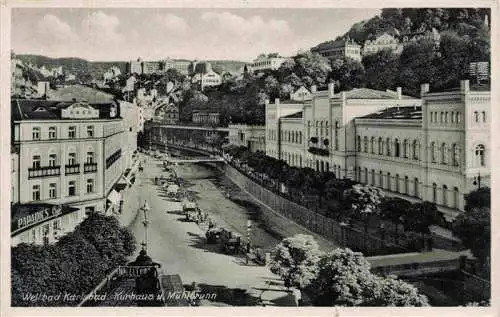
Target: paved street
[{"x": 180, "y": 247}]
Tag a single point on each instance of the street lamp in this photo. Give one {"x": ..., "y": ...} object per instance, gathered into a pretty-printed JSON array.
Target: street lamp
[{"x": 145, "y": 208}]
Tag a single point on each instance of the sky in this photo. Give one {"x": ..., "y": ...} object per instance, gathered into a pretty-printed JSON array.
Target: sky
[{"x": 121, "y": 34}]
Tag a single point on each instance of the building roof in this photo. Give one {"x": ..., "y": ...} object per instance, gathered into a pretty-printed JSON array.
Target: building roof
[
  {"x": 37, "y": 109},
  {"x": 334, "y": 44},
  {"x": 296, "y": 115},
  {"x": 367, "y": 93},
  {"x": 401, "y": 113}
]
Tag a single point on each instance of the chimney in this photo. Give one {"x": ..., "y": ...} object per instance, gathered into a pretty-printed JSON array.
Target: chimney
[
  {"x": 314, "y": 88},
  {"x": 331, "y": 90},
  {"x": 464, "y": 86},
  {"x": 399, "y": 91},
  {"x": 424, "y": 88}
]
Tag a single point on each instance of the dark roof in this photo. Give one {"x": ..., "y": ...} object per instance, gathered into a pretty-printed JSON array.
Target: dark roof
[
  {"x": 37, "y": 109},
  {"x": 402, "y": 113},
  {"x": 297, "y": 115}
]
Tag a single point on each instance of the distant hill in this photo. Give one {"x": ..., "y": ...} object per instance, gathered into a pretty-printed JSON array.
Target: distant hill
[{"x": 73, "y": 65}]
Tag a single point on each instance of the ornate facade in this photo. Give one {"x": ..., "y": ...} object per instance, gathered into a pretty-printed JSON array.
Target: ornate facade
[{"x": 434, "y": 148}]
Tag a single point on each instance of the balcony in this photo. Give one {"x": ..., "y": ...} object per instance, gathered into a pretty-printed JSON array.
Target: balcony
[
  {"x": 72, "y": 169},
  {"x": 89, "y": 168},
  {"x": 45, "y": 171}
]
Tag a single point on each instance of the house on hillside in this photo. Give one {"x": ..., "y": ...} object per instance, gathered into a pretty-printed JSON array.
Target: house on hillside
[{"x": 339, "y": 49}]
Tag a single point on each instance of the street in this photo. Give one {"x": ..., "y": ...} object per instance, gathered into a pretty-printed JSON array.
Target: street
[{"x": 180, "y": 246}]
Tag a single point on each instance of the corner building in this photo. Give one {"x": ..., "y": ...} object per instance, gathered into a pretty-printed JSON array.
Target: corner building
[
  {"x": 69, "y": 155},
  {"x": 434, "y": 148}
]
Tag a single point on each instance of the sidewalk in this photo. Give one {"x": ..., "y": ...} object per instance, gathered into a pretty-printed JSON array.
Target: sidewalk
[{"x": 131, "y": 201}]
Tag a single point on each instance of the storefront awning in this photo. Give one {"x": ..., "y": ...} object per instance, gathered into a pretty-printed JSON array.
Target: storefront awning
[{"x": 114, "y": 197}]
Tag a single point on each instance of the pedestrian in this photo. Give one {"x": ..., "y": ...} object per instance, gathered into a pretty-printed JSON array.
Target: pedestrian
[{"x": 297, "y": 296}]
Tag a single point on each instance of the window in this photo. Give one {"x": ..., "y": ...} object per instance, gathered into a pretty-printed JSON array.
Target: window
[
  {"x": 446, "y": 117},
  {"x": 455, "y": 156},
  {"x": 416, "y": 150},
  {"x": 90, "y": 157},
  {"x": 455, "y": 197},
  {"x": 476, "y": 116},
  {"x": 396, "y": 148},
  {"x": 433, "y": 152},
  {"x": 406, "y": 185},
  {"x": 372, "y": 144},
  {"x": 397, "y": 183},
  {"x": 90, "y": 186},
  {"x": 373, "y": 178},
  {"x": 36, "y": 192},
  {"x": 380, "y": 146},
  {"x": 388, "y": 146},
  {"x": 479, "y": 152},
  {"x": 36, "y": 161},
  {"x": 36, "y": 133},
  {"x": 415, "y": 187},
  {"x": 484, "y": 116},
  {"x": 52, "y": 132},
  {"x": 389, "y": 181},
  {"x": 52, "y": 190},
  {"x": 56, "y": 224},
  {"x": 72, "y": 132},
  {"x": 381, "y": 179},
  {"x": 366, "y": 175},
  {"x": 445, "y": 195},
  {"x": 442, "y": 117},
  {"x": 365, "y": 144},
  {"x": 444, "y": 154},
  {"x": 459, "y": 115},
  {"x": 358, "y": 143},
  {"x": 52, "y": 160},
  {"x": 72, "y": 159},
  {"x": 71, "y": 188},
  {"x": 434, "y": 193},
  {"x": 452, "y": 116}
]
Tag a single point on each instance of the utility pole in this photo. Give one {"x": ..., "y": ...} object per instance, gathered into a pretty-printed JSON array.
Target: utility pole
[
  {"x": 249, "y": 229},
  {"x": 145, "y": 222}
]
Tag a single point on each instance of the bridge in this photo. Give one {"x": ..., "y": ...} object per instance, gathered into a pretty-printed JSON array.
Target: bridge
[
  {"x": 200, "y": 159},
  {"x": 189, "y": 127}
]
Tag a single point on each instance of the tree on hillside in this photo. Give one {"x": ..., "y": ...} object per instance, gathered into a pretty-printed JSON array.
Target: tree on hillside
[
  {"x": 295, "y": 259},
  {"x": 418, "y": 64},
  {"x": 312, "y": 68},
  {"x": 381, "y": 70},
  {"x": 272, "y": 87},
  {"x": 348, "y": 73}
]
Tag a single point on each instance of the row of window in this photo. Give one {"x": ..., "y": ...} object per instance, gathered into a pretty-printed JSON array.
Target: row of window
[
  {"x": 36, "y": 132},
  {"x": 52, "y": 159},
  {"x": 71, "y": 190},
  {"x": 385, "y": 147},
  {"x": 385, "y": 182},
  {"x": 445, "y": 117}
]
